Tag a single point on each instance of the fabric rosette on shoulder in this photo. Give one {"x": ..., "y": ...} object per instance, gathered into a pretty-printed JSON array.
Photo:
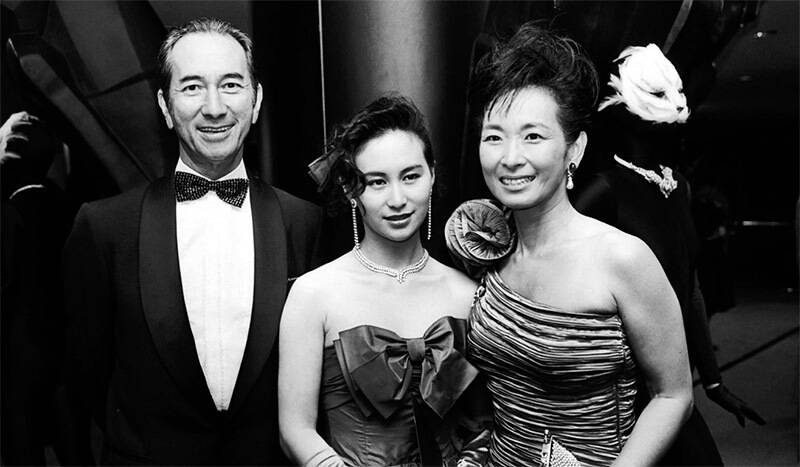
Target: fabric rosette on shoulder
[{"x": 478, "y": 233}]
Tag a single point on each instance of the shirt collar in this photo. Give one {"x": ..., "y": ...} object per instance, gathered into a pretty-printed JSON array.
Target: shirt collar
[{"x": 238, "y": 172}]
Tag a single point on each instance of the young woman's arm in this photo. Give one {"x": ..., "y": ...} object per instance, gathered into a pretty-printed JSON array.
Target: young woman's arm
[
  {"x": 302, "y": 339},
  {"x": 652, "y": 318}
]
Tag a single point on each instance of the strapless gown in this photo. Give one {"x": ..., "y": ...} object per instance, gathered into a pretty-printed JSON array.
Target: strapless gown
[
  {"x": 569, "y": 372},
  {"x": 387, "y": 400}
]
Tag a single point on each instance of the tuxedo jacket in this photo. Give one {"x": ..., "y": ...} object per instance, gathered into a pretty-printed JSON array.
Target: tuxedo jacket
[{"x": 130, "y": 349}]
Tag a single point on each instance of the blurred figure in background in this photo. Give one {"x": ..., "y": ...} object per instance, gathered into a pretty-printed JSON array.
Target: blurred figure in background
[
  {"x": 643, "y": 196},
  {"x": 37, "y": 409}
]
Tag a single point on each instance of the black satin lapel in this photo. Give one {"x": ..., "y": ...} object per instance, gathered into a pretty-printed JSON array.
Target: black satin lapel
[
  {"x": 162, "y": 293},
  {"x": 269, "y": 292}
]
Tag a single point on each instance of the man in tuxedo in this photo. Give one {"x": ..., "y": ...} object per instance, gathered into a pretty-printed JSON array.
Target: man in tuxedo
[{"x": 174, "y": 290}]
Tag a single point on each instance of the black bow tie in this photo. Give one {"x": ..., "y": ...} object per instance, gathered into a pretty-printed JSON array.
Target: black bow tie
[{"x": 189, "y": 187}]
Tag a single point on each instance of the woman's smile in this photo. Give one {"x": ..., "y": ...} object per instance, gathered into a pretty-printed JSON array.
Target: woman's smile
[
  {"x": 516, "y": 182},
  {"x": 399, "y": 220}
]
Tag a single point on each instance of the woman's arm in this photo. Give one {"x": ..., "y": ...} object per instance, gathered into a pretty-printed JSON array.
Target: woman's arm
[
  {"x": 302, "y": 339},
  {"x": 652, "y": 318}
]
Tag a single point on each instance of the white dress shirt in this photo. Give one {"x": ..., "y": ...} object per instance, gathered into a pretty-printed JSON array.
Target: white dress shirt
[{"x": 216, "y": 256}]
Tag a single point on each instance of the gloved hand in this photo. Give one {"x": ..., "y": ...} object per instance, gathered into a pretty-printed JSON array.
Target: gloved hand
[
  {"x": 728, "y": 401},
  {"x": 10, "y": 131}
]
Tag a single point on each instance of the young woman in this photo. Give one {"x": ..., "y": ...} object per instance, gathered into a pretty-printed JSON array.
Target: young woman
[
  {"x": 572, "y": 311},
  {"x": 372, "y": 344}
]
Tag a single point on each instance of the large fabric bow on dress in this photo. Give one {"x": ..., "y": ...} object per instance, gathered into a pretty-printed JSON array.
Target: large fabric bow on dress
[{"x": 378, "y": 366}]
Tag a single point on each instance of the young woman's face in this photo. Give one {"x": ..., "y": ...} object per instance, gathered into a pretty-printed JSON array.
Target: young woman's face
[
  {"x": 524, "y": 153},
  {"x": 398, "y": 186}
]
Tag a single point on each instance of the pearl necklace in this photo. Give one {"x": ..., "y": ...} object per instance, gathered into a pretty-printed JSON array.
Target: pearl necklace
[
  {"x": 399, "y": 274},
  {"x": 666, "y": 184}
]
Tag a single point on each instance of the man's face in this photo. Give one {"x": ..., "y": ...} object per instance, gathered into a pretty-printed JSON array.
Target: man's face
[{"x": 212, "y": 103}]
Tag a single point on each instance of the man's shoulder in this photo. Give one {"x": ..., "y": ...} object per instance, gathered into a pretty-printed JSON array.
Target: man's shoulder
[{"x": 289, "y": 202}]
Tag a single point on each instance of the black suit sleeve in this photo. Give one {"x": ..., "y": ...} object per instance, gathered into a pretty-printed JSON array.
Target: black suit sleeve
[
  {"x": 303, "y": 221},
  {"x": 89, "y": 313}
]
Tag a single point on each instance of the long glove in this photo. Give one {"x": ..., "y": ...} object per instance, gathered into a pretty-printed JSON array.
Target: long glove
[{"x": 728, "y": 401}]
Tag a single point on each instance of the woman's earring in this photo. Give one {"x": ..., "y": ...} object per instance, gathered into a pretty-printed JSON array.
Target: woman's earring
[
  {"x": 570, "y": 170},
  {"x": 355, "y": 224},
  {"x": 430, "y": 205}
]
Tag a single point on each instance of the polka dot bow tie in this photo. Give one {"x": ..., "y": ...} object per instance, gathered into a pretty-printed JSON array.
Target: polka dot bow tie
[{"x": 189, "y": 187}]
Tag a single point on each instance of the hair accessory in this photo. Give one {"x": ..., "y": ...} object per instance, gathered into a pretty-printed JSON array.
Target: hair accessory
[
  {"x": 353, "y": 205},
  {"x": 666, "y": 184},
  {"x": 399, "y": 274},
  {"x": 430, "y": 195},
  {"x": 321, "y": 167},
  {"x": 570, "y": 170}
]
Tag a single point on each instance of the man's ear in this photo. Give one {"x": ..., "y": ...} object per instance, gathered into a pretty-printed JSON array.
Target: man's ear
[
  {"x": 576, "y": 150},
  {"x": 164, "y": 109},
  {"x": 257, "y": 104}
]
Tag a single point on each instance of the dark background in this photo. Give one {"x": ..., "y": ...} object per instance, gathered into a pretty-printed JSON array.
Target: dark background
[{"x": 738, "y": 60}]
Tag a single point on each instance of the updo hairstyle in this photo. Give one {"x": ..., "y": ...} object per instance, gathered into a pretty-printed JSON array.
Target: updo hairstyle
[{"x": 537, "y": 57}]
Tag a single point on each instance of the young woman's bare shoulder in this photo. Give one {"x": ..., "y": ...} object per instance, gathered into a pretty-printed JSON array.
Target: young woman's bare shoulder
[
  {"x": 453, "y": 278},
  {"x": 455, "y": 288},
  {"x": 319, "y": 282}
]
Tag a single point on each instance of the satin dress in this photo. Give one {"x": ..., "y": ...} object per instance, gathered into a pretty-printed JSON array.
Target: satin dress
[
  {"x": 569, "y": 372},
  {"x": 387, "y": 400}
]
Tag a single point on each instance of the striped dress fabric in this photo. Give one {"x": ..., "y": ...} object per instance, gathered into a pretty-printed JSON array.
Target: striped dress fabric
[{"x": 569, "y": 372}]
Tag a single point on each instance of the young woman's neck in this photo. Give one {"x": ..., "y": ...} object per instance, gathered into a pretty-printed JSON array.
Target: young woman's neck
[
  {"x": 392, "y": 254},
  {"x": 538, "y": 230}
]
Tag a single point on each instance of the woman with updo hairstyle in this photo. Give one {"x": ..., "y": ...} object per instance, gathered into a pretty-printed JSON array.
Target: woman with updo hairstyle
[
  {"x": 570, "y": 312},
  {"x": 373, "y": 367}
]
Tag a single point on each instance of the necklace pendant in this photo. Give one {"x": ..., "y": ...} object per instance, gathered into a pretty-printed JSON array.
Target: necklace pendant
[{"x": 399, "y": 274}]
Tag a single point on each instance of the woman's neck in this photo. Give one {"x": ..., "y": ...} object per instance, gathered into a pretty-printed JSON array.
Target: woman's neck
[
  {"x": 537, "y": 232},
  {"x": 392, "y": 254}
]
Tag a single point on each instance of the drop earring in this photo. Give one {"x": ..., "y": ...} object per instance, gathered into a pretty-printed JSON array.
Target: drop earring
[
  {"x": 353, "y": 205},
  {"x": 430, "y": 205},
  {"x": 570, "y": 169}
]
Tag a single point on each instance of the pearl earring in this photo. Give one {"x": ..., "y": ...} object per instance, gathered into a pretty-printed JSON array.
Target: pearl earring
[{"x": 570, "y": 169}]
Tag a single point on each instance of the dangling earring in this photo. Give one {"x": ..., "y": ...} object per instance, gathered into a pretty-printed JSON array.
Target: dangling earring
[
  {"x": 353, "y": 205},
  {"x": 430, "y": 204},
  {"x": 570, "y": 169}
]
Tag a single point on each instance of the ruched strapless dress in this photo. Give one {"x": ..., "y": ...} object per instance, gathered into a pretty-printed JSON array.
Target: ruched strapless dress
[
  {"x": 569, "y": 372},
  {"x": 387, "y": 400}
]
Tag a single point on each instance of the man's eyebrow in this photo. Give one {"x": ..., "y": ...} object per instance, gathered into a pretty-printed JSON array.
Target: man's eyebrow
[
  {"x": 233, "y": 76},
  {"x": 190, "y": 78},
  {"x": 200, "y": 78}
]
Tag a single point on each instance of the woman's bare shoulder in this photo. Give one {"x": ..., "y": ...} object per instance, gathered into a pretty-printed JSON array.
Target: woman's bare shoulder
[
  {"x": 324, "y": 281},
  {"x": 453, "y": 278},
  {"x": 617, "y": 248}
]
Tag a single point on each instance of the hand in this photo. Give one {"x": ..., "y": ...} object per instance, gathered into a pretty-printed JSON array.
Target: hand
[
  {"x": 728, "y": 401},
  {"x": 10, "y": 132}
]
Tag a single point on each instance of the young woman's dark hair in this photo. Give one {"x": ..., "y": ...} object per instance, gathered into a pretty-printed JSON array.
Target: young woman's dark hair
[
  {"x": 391, "y": 112},
  {"x": 535, "y": 57}
]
